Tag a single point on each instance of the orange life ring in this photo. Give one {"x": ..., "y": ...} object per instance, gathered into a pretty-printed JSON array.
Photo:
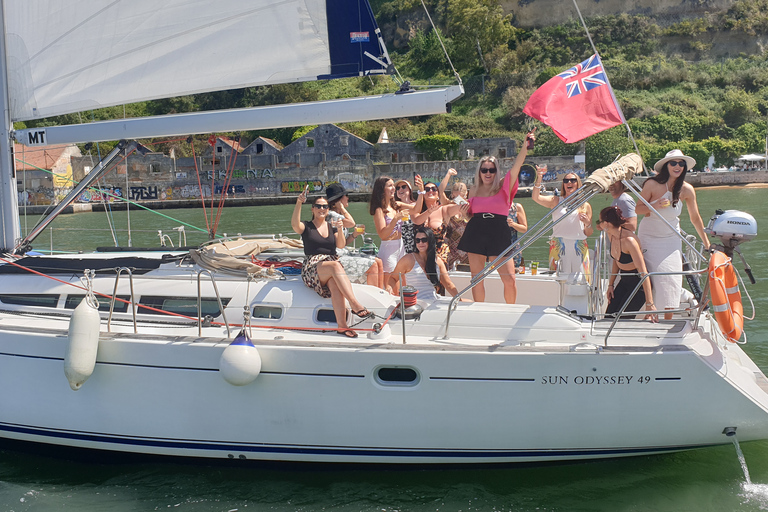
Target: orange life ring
[{"x": 726, "y": 297}]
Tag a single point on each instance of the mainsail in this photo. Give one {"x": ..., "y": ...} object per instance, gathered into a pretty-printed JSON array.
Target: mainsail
[
  {"x": 68, "y": 57},
  {"x": 64, "y": 57}
]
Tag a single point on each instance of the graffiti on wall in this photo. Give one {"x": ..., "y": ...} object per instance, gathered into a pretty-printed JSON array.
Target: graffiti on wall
[
  {"x": 99, "y": 196},
  {"x": 297, "y": 186},
  {"x": 247, "y": 174},
  {"x": 143, "y": 193}
]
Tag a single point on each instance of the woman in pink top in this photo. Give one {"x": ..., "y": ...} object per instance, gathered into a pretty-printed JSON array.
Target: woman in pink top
[{"x": 487, "y": 234}]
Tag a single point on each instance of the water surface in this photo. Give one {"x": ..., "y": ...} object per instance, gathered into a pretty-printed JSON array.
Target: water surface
[{"x": 702, "y": 480}]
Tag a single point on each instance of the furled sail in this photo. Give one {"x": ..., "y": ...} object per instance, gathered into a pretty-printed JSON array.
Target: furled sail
[{"x": 65, "y": 57}]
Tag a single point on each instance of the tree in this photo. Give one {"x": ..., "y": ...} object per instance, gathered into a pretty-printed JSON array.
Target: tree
[
  {"x": 439, "y": 147},
  {"x": 603, "y": 148},
  {"x": 477, "y": 27}
]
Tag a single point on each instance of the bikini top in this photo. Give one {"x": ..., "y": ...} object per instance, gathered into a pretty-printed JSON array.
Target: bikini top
[
  {"x": 623, "y": 260},
  {"x": 388, "y": 220}
]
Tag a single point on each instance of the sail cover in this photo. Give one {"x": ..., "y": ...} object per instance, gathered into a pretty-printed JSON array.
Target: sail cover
[{"x": 65, "y": 57}]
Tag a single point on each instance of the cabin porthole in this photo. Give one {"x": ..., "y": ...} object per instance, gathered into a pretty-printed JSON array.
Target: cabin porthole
[{"x": 401, "y": 376}]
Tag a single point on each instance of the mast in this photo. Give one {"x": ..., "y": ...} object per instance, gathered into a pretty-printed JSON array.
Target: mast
[{"x": 9, "y": 195}]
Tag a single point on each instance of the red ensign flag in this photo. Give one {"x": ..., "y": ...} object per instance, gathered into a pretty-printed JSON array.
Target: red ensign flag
[{"x": 576, "y": 103}]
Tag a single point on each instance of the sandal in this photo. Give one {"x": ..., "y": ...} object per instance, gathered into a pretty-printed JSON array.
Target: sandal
[
  {"x": 363, "y": 313},
  {"x": 349, "y": 333}
]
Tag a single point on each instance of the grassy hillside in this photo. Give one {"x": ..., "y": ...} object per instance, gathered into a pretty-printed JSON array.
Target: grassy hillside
[{"x": 700, "y": 84}]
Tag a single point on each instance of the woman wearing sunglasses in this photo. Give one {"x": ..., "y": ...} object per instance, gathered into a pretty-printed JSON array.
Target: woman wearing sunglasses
[
  {"x": 455, "y": 223},
  {"x": 487, "y": 234},
  {"x": 404, "y": 192},
  {"x": 568, "y": 248},
  {"x": 663, "y": 247},
  {"x": 389, "y": 215},
  {"x": 436, "y": 215},
  {"x": 423, "y": 269},
  {"x": 321, "y": 270}
]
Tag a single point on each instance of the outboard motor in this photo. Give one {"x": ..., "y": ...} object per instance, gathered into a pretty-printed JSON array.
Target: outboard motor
[{"x": 733, "y": 228}]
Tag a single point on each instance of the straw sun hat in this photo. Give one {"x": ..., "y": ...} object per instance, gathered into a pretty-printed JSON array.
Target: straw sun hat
[{"x": 675, "y": 154}]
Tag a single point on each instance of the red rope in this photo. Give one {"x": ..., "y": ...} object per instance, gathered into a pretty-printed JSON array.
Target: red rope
[
  {"x": 178, "y": 315},
  {"x": 200, "y": 188},
  {"x": 227, "y": 181},
  {"x": 96, "y": 293}
]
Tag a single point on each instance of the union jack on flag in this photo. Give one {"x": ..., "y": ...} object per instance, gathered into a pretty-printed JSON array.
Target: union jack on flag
[
  {"x": 584, "y": 77},
  {"x": 574, "y": 103}
]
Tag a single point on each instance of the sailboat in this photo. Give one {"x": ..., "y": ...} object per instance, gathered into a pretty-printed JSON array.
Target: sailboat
[{"x": 199, "y": 355}]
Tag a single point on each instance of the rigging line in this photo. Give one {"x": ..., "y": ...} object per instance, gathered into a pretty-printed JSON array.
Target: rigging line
[
  {"x": 610, "y": 87},
  {"x": 169, "y": 313},
  {"x": 233, "y": 159},
  {"x": 107, "y": 211},
  {"x": 212, "y": 233},
  {"x": 200, "y": 187},
  {"x": 26, "y": 200},
  {"x": 128, "y": 205},
  {"x": 455, "y": 73},
  {"x": 106, "y": 295}
]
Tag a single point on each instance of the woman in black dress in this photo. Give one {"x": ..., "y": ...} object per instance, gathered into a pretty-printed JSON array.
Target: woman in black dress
[
  {"x": 628, "y": 263},
  {"x": 322, "y": 270}
]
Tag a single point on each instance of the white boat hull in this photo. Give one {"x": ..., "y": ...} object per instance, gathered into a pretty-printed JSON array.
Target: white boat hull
[{"x": 557, "y": 396}]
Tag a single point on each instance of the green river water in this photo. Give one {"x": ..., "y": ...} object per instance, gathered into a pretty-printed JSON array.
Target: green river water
[{"x": 703, "y": 480}]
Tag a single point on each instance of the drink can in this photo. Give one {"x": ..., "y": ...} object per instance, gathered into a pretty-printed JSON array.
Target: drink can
[{"x": 534, "y": 267}]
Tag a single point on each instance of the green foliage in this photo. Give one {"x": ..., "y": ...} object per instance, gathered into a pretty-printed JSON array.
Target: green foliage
[
  {"x": 753, "y": 136},
  {"x": 750, "y": 16},
  {"x": 549, "y": 144},
  {"x": 724, "y": 150},
  {"x": 439, "y": 147},
  {"x": 425, "y": 56},
  {"x": 301, "y": 131},
  {"x": 603, "y": 148},
  {"x": 476, "y": 27}
]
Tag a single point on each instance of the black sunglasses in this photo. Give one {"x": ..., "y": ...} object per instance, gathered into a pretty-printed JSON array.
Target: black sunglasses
[
  {"x": 570, "y": 180},
  {"x": 679, "y": 163},
  {"x": 422, "y": 240},
  {"x": 320, "y": 206},
  {"x": 401, "y": 186},
  {"x": 486, "y": 170},
  {"x": 430, "y": 189}
]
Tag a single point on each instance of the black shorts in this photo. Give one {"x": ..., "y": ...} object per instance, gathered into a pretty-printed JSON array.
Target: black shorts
[{"x": 487, "y": 234}]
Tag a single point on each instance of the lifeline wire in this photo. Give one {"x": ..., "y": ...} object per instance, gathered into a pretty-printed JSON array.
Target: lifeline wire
[
  {"x": 434, "y": 29},
  {"x": 610, "y": 87}
]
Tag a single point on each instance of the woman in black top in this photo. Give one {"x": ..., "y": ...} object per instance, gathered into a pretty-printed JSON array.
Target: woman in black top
[
  {"x": 628, "y": 263},
  {"x": 322, "y": 270}
]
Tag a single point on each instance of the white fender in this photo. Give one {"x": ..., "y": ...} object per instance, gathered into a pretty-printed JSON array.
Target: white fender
[
  {"x": 80, "y": 358},
  {"x": 240, "y": 362}
]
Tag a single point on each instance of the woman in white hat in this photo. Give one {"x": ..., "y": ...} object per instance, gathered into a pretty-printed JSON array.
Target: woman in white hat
[{"x": 666, "y": 192}]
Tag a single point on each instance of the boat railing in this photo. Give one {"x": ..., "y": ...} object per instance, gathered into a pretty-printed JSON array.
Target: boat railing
[
  {"x": 200, "y": 302},
  {"x": 540, "y": 229},
  {"x": 132, "y": 303},
  {"x": 600, "y": 274},
  {"x": 618, "y": 315}
]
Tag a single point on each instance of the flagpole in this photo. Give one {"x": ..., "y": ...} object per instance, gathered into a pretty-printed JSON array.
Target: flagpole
[{"x": 610, "y": 87}]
